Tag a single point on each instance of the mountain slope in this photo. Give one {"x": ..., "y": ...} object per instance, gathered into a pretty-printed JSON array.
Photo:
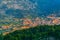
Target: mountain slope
[{"x": 33, "y": 8}]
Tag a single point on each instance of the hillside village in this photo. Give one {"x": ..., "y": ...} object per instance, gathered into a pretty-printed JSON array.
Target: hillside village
[{"x": 24, "y": 23}]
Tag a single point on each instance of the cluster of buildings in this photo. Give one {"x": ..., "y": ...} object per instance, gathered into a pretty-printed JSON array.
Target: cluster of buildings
[
  {"x": 33, "y": 22},
  {"x": 39, "y": 21},
  {"x": 27, "y": 23}
]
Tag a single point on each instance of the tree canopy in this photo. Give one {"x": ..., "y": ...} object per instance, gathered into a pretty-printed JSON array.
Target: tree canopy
[{"x": 38, "y": 33}]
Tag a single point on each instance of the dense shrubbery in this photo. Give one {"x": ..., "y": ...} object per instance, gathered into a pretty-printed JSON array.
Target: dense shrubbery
[{"x": 38, "y": 33}]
